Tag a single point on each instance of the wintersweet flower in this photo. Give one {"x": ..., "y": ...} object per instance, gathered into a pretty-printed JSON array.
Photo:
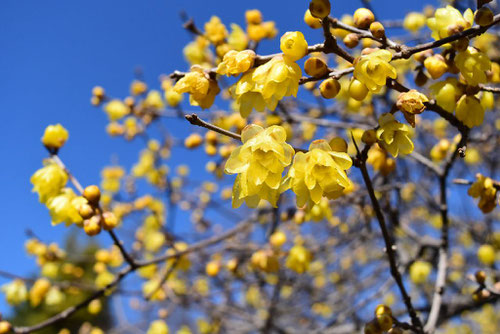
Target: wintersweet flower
[
  {"x": 266, "y": 85},
  {"x": 447, "y": 93},
  {"x": 373, "y": 69},
  {"x": 293, "y": 45},
  {"x": 473, "y": 65},
  {"x": 411, "y": 103},
  {"x": 158, "y": 327},
  {"x": 55, "y": 136},
  {"x": 64, "y": 207},
  {"x": 393, "y": 136},
  {"x": 200, "y": 86},
  {"x": 484, "y": 188},
  {"x": 215, "y": 30},
  {"x": 317, "y": 173},
  {"x": 470, "y": 111},
  {"x": 259, "y": 163},
  {"x": 298, "y": 259},
  {"x": 448, "y": 21},
  {"x": 235, "y": 62},
  {"x": 48, "y": 181},
  {"x": 414, "y": 21},
  {"x": 15, "y": 292},
  {"x": 154, "y": 100},
  {"x": 116, "y": 110}
]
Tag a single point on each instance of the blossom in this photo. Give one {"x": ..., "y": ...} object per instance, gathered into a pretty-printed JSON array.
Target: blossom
[
  {"x": 48, "y": 181},
  {"x": 393, "y": 136},
  {"x": 470, "y": 111},
  {"x": 484, "y": 188},
  {"x": 116, "y": 110},
  {"x": 298, "y": 259},
  {"x": 215, "y": 30},
  {"x": 237, "y": 39},
  {"x": 411, "y": 103},
  {"x": 373, "y": 69},
  {"x": 414, "y": 21},
  {"x": 448, "y": 21},
  {"x": 266, "y": 85},
  {"x": 15, "y": 292},
  {"x": 473, "y": 65},
  {"x": 55, "y": 136},
  {"x": 419, "y": 271},
  {"x": 154, "y": 100},
  {"x": 446, "y": 93},
  {"x": 317, "y": 173},
  {"x": 64, "y": 207},
  {"x": 235, "y": 62},
  {"x": 200, "y": 86},
  {"x": 158, "y": 327},
  {"x": 293, "y": 45},
  {"x": 259, "y": 163}
]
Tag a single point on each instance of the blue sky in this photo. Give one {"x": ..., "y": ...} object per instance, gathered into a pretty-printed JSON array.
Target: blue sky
[{"x": 54, "y": 52}]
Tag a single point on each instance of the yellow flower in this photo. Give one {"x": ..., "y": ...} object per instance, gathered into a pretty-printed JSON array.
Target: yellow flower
[
  {"x": 293, "y": 45},
  {"x": 419, "y": 271},
  {"x": 38, "y": 291},
  {"x": 448, "y": 21},
  {"x": 447, "y": 93},
  {"x": 470, "y": 111},
  {"x": 55, "y": 136},
  {"x": 266, "y": 85},
  {"x": 197, "y": 51},
  {"x": 298, "y": 259},
  {"x": 48, "y": 181},
  {"x": 237, "y": 39},
  {"x": 138, "y": 87},
  {"x": 116, "y": 110},
  {"x": 373, "y": 69},
  {"x": 473, "y": 65},
  {"x": 15, "y": 292},
  {"x": 317, "y": 173},
  {"x": 393, "y": 136},
  {"x": 486, "y": 254},
  {"x": 414, "y": 21},
  {"x": 64, "y": 207},
  {"x": 154, "y": 100},
  {"x": 158, "y": 327},
  {"x": 484, "y": 188},
  {"x": 215, "y": 30},
  {"x": 200, "y": 86},
  {"x": 259, "y": 163},
  {"x": 235, "y": 62},
  {"x": 411, "y": 103}
]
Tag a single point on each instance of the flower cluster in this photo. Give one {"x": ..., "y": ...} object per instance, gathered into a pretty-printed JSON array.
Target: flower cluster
[{"x": 485, "y": 189}]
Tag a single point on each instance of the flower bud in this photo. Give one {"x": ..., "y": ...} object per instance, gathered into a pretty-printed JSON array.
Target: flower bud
[
  {"x": 363, "y": 17},
  {"x": 320, "y": 8},
  {"x": 329, "y": 88},
  {"x": 377, "y": 30},
  {"x": 311, "y": 21},
  {"x": 357, "y": 90},
  {"x": 436, "y": 66},
  {"x": 369, "y": 137},
  {"x": 483, "y": 16},
  {"x": 351, "y": 40},
  {"x": 92, "y": 194},
  {"x": 480, "y": 276},
  {"x": 338, "y": 144},
  {"x": 92, "y": 226},
  {"x": 54, "y": 136},
  {"x": 315, "y": 67},
  {"x": 5, "y": 327},
  {"x": 109, "y": 221},
  {"x": 86, "y": 211},
  {"x": 193, "y": 140},
  {"x": 253, "y": 16}
]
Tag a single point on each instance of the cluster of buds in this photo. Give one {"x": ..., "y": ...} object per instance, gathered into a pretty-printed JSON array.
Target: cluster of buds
[
  {"x": 94, "y": 219},
  {"x": 382, "y": 322}
]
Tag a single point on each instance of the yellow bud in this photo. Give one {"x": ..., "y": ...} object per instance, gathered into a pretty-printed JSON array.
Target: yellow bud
[
  {"x": 351, "y": 40},
  {"x": 212, "y": 268},
  {"x": 480, "y": 276},
  {"x": 277, "y": 239},
  {"x": 436, "y": 66},
  {"x": 98, "y": 92},
  {"x": 329, "y": 88},
  {"x": 369, "y": 137},
  {"x": 311, "y": 21},
  {"x": 253, "y": 16},
  {"x": 384, "y": 321},
  {"x": 94, "y": 306},
  {"x": 377, "y": 29},
  {"x": 338, "y": 144},
  {"x": 315, "y": 67},
  {"x": 109, "y": 220},
  {"x": 193, "y": 140},
  {"x": 383, "y": 309},
  {"x": 86, "y": 211},
  {"x": 92, "y": 226},
  {"x": 483, "y": 16},
  {"x": 486, "y": 254},
  {"x": 357, "y": 90},
  {"x": 55, "y": 136},
  {"x": 320, "y": 8},
  {"x": 5, "y": 327},
  {"x": 363, "y": 17},
  {"x": 92, "y": 194}
]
